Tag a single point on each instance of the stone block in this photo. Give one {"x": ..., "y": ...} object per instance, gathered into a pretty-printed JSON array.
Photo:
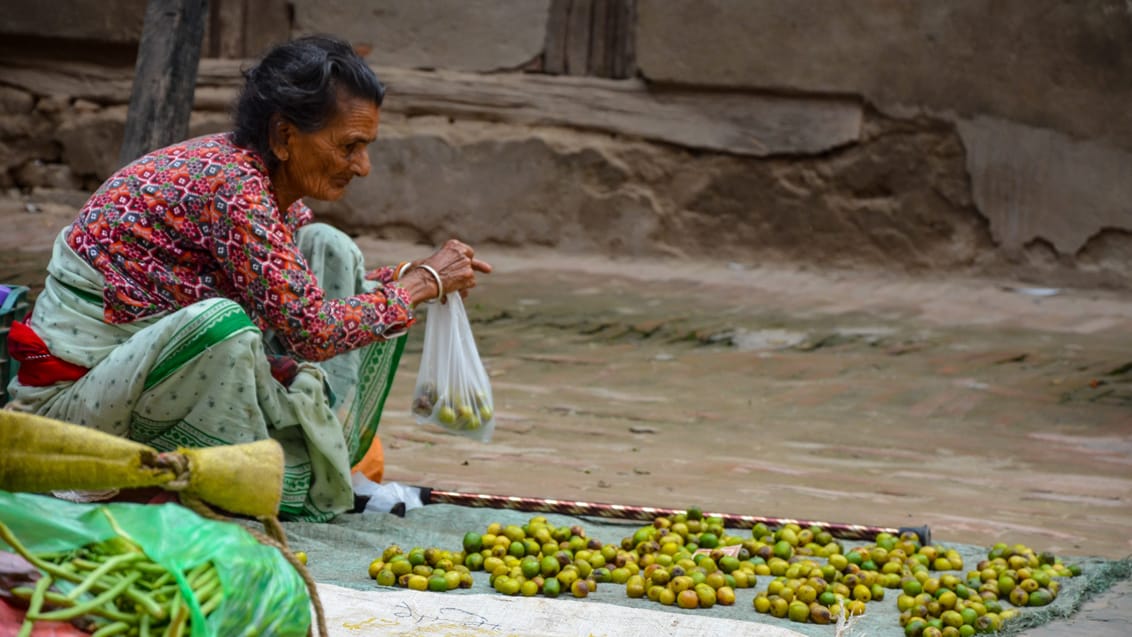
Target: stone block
[
  {"x": 67, "y": 197},
  {"x": 13, "y": 101},
  {"x": 38, "y": 174},
  {"x": 1034, "y": 183},
  {"x": 15, "y": 152},
  {"x": 53, "y": 103},
  {"x": 876, "y": 204},
  {"x": 429, "y": 186},
  {"x": 91, "y": 141},
  {"x": 207, "y": 123},
  {"x": 896, "y": 199},
  {"x": 472, "y": 35},
  {"x": 22, "y": 126}
]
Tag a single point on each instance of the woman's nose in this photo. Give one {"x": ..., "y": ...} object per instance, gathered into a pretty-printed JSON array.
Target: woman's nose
[{"x": 361, "y": 164}]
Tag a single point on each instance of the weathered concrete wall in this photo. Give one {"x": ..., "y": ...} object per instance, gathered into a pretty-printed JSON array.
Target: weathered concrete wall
[
  {"x": 115, "y": 21},
  {"x": 469, "y": 35},
  {"x": 1043, "y": 63},
  {"x": 959, "y": 135},
  {"x": 1037, "y": 183},
  {"x": 1037, "y": 89},
  {"x": 491, "y": 183}
]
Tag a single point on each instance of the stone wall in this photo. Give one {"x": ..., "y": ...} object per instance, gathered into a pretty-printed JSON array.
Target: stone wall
[
  {"x": 954, "y": 136},
  {"x": 1037, "y": 90}
]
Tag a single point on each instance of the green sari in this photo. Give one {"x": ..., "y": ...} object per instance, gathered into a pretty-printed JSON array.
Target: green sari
[{"x": 200, "y": 377}]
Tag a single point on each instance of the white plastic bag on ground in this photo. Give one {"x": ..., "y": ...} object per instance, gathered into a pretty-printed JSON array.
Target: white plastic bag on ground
[
  {"x": 452, "y": 389},
  {"x": 383, "y": 497}
]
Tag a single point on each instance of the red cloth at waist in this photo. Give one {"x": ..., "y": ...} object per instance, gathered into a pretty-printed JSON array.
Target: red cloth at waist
[{"x": 38, "y": 366}]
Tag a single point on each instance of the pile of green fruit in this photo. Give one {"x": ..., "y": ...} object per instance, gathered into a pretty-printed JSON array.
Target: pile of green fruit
[
  {"x": 1020, "y": 575},
  {"x": 691, "y": 561},
  {"x": 932, "y": 601},
  {"x": 687, "y": 560},
  {"x": 805, "y": 590},
  {"x": 539, "y": 558},
  {"x": 535, "y": 558},
  {"x": 420, "y": 569}
]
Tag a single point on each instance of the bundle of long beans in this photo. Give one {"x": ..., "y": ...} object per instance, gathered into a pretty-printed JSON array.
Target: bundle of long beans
[
  {"x": 43, "y": 454},
  {"x": 114, "y": 588}
]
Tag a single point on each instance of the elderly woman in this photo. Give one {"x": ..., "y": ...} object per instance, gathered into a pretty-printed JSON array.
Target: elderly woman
[{"x": 194, "y": 303}]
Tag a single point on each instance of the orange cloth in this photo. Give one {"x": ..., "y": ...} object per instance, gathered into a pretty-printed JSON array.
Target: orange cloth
[{"x": 372, "y": 465}]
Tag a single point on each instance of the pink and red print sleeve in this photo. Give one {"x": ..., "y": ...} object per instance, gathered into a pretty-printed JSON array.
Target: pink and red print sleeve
[{"x": 264, "y": 267}]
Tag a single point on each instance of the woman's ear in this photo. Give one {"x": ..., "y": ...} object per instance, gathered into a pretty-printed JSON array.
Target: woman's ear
[{"x": 281, "y": 134}]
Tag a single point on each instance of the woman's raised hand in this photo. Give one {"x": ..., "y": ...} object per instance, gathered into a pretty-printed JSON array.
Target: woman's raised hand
[{"x": 454, "y": 264}]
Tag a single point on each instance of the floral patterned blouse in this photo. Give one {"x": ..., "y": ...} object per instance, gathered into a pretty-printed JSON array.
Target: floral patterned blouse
[{"x": 198, "y": 220}]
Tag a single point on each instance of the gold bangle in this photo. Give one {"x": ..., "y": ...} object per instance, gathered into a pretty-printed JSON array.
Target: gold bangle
[
  {"x": 400, "y": 270},
  {"x": 435, "y": 275}
]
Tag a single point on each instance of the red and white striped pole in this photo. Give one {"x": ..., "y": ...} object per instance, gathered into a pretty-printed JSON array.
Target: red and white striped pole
[{"x": 647, "y": 514}]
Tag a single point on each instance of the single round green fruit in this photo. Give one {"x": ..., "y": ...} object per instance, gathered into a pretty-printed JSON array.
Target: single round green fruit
[
  {"x": 385, "y": 577},
  {"x": 783, "y": 550},
  {"x": 549, "y": 566},
  {"x": 798, "y": 611},
  {"x": 1040, "y": 597},
  {"x": 473, "y": 542},
  {"x": 438, "y": 584},
  {"x": 530, "y": 566}
]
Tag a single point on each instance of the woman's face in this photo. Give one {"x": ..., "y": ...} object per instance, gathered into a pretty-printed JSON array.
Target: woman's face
[{"x": 321, "y": 164}]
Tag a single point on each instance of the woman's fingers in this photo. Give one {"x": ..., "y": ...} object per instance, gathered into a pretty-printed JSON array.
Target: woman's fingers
[
  {"x": 457, "y": 267},
  {"x": 460, "y": 248}
]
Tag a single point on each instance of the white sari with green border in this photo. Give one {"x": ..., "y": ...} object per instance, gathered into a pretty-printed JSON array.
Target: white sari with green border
[{"x": 200, "y": 377}]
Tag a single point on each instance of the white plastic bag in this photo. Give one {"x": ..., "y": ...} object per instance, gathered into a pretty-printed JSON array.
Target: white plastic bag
[
  {"x": 384, "y": 496},
  {"x": 452, "y": 389}
]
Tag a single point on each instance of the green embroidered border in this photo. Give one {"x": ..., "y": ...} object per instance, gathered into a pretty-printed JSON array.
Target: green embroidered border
[
  {"x": 175, "y": 436},
  {"x": 375, "y": 380},
  {"x": 216, "y": 324}
]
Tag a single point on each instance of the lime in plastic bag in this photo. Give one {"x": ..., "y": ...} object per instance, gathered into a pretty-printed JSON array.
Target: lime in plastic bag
[
  {"x": 263, "y": 594},
  {"x": 452, "y": 388}
]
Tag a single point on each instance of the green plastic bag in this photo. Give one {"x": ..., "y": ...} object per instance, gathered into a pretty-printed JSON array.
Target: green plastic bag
[{"x": 263, "y": 594}]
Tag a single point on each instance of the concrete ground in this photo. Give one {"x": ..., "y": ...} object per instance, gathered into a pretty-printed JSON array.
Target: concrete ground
[
  {"x": 992, "y": 411},
  {"x": 988, "y": 410}
]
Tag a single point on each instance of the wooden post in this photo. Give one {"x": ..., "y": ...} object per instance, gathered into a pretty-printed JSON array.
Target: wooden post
[
  {"x": 554, "y": 56},
  {"x": 590, "y": 37},
  {"x": 165, "y": 76}
]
